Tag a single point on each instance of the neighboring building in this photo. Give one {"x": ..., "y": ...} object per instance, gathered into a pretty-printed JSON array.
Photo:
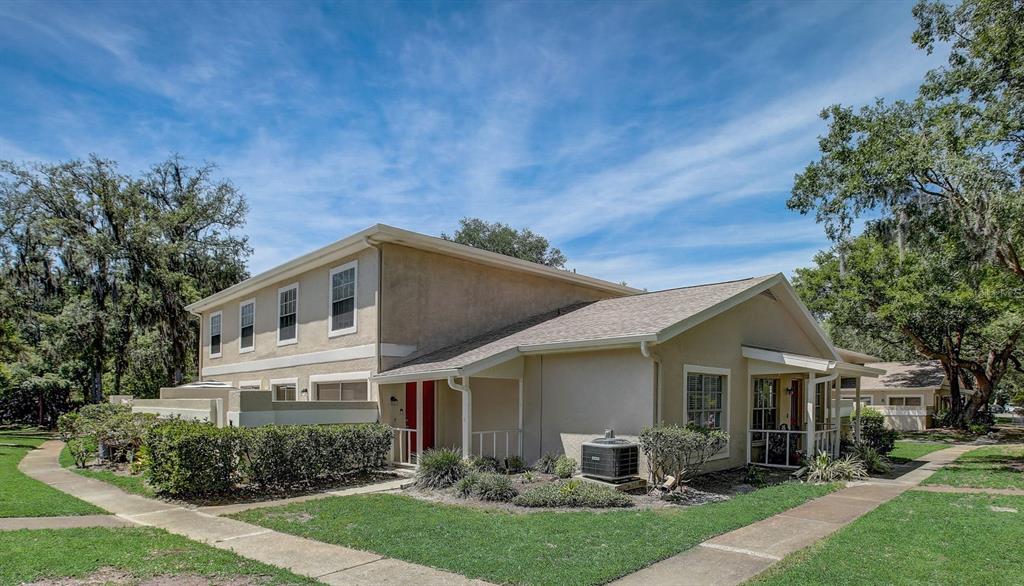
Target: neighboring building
[
  {"x": 454, "y": 346},
  {"x": 908, "y": 393}
]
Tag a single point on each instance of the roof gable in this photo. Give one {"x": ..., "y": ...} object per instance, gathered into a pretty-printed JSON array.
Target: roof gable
[{"x": 648, "y": 317}]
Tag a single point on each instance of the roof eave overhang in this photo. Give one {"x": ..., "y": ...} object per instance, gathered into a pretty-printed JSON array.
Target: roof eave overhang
[
  {"x": 858, "y": 369},
  {"x": 790, "y": 360}
]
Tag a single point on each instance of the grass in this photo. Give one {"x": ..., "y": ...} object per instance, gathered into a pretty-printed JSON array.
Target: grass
[
  {"x": 130, "y": 484},
  {"x": 906, "y": 451},
  {"x": 917, "y": 538},
  {"x": 21, "y": 496},
  {"x": 987, "y": 467},
  {"x": 529, "y": 548},
  {"x": 140, "y": 552}
]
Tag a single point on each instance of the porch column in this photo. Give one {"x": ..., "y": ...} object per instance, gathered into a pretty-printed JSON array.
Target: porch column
[
  {"x": 812, "y": 393},
  {"x": 520, "y": 454},
  {"x": 834, "y": 419},
  {"x": 419, "y": 419},
  {"x": 856, "y": 412}
]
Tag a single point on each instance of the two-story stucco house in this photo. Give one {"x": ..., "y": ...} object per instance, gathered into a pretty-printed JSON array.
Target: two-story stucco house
[{"x": 455, "y": 346}]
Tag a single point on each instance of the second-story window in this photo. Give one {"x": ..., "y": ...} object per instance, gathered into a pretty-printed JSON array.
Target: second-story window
[
  {"x": 287, "y": 314},
  {"x": 246, "y": 326},
  {"x": 215, "y": 326},
  {"x": 343, "y": 300}
]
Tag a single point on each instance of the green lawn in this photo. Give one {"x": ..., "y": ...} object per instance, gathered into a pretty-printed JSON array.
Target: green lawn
[
  {"x": 918, "y": 538},
  {"x": 141, "y": 553},
  {"x": 21, "y": 496},
  {"x": 131, "y": 484},
  {"x": 907, "y": 450},
  {"x": 530, "y": 548},
  {"x": 987, "y": 467}
]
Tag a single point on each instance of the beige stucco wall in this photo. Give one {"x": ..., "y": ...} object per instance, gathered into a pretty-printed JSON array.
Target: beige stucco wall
[
  {"x": 313, "y": 313},
  {"x": 302, "y": 373},
  {"x": 430, "y": 301},
  {"x": 573, "y": 397},
  {"x": 760, "y": 322}
]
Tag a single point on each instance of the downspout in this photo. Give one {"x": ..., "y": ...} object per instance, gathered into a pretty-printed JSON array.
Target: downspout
[
  {"x": 467, "y": 412},
  {"x": 645, "y": 350}
]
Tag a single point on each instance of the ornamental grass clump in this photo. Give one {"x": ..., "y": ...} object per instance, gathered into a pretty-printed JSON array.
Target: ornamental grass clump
[
  {"x": 874, "y": 462},
  {"x": 494, "y": 487},
  {"x": 823, "y": 468},
  {"x": 440, "y": 468}
]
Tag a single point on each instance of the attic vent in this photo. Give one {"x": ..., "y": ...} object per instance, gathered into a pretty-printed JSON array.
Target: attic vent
[{"x": 767, "y": 293}]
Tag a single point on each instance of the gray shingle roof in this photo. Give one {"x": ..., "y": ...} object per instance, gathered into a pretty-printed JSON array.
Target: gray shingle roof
[
  {"x": 905, "y": 375},
  {"x": 608, "y": 319}
]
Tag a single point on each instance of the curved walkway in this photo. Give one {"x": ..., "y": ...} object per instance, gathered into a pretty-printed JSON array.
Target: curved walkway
[
  {"x": 327, "y": 563},
  {"x": 735, "y": 557}
]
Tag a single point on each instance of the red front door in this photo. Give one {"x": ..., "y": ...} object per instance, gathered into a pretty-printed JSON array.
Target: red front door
[{"x": 428, "y": 414}]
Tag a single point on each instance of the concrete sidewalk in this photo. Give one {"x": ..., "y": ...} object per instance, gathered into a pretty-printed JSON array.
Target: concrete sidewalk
[
  {"x": 67, "y": 522},
  {"x": 331, "y": 564},
  {"x": 735, "y": 557}
]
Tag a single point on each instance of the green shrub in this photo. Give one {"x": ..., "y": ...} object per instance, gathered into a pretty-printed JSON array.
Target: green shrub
[
  {"x": 193, "y": 458},
  {"x": 677, "y": 451},
  {"x": 755, "y": 475},
  {"x": 527, "y": 477},
  {"x": 874, "y": 462},
  {"x": 440, "y": 468},
  {"x": 574, "y": 493},
  {"x": 83, "y": 449},
  {"x": 823, "y": 468},
  {"x": 978, "y": 428},
  {"x": 514, "y": 465},
  {"x": 68, "y": 426},
  {"x": 873, "y": 431},
  {"x": 283, "y": 456},
  {"x": 485, "y": 464},
  {"x": 565, "y": 467},
  {"x": 491, "y": 486},
  {"x": 546, "y": 463},
  {"x": 123, "y": 433},
  {"x": 466, "y": 485}
]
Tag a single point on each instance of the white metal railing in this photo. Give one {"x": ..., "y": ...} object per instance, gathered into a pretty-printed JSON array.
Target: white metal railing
[
  {"x": 500, "y": 443},
  {"x": 775, "y": 447},
  {"x": 827, "y": 440},
  {"x": 402, "y": 450}
]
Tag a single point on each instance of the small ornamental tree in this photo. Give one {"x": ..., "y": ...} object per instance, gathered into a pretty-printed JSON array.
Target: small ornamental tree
[{"x": 679, "y": 452}]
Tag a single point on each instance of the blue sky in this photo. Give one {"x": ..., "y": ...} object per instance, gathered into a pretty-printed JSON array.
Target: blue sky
[{"x": 653, "y": 142}]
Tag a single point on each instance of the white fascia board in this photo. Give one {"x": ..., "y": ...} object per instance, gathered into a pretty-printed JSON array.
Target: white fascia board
[
  {"x": 586, "y": 344},
  {"x": 858, "y": 369},
  {"x": 490, "y": 361},
  {"x": 720, "y": 307},
  {"x": 385, "y": 378},
  {"x": 811, "y": 363}
]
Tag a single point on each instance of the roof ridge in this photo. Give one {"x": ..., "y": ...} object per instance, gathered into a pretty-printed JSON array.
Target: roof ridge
[{"x": 699, "y": 285}]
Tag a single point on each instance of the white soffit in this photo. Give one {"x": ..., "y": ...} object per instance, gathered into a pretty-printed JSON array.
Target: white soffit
[{"x": 789, "y": 360}]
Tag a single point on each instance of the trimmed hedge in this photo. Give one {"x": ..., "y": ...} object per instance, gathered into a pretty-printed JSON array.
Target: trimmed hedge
[
  {"x": 574, "y": 493},
  {"x": 198, "y": 459}
]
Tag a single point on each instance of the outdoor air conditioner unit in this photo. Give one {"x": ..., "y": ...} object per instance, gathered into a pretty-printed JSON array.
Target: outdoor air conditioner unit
[{"x": 610, "y": 459}]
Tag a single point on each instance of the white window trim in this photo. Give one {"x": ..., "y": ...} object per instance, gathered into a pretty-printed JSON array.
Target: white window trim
[
  {"x": 277, "y": 328},
  {"x": 921, "y": 406},
  {"x": 340, "y": 377},
  {"x": 727, "y": 387},
  {"x": 250, "y": 383},
  {"x": 209, "y": 334},
  {"x": 865, "y": 399},
  {"x": 252, "y": 301},
  {"x": 355, "y": 298},
  {"x": 284, "y": 381}
]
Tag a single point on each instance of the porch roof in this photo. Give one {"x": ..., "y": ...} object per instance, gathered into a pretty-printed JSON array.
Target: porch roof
[{"x": 648, "y": 317}]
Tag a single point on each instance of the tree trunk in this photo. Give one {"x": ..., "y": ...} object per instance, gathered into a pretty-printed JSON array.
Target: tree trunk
[{"x": 955, "y": 417}]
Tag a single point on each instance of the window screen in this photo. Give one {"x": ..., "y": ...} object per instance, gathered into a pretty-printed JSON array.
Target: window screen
[
  {"x": 343, "y": 299},
  {"x": 286, "y": 326},
  {"x": 246, "y": 319},
  {"x": 215, "y": 334},
  {"x": 705, "y": 400}
]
